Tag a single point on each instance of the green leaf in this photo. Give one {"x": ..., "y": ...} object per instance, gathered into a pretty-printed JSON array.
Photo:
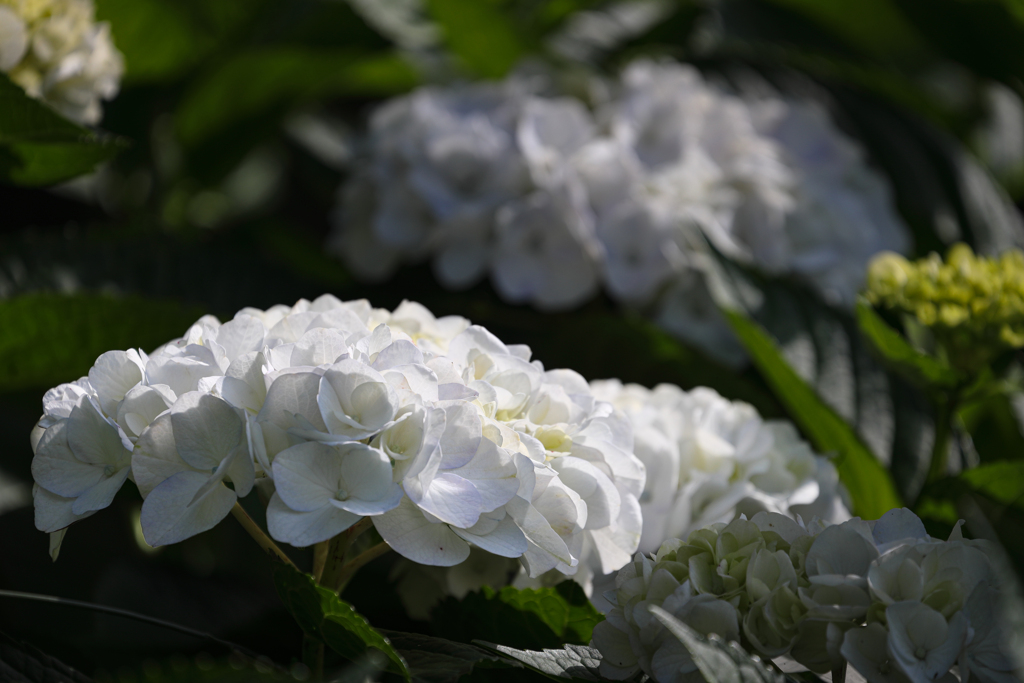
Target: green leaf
[
  {"x": 574, "y": 662},
  {"x": 1002, "y": 482},
  {"x": 527, "y": 618},
  {"x": 39, "y": 147},
  {"x": 22, "y": 663},
  {"x": 718, "y": 661},
  {"x": 919, "y": 367},
  {"x": 436, "y": 660},
  {"x": 983, "y": 35},
  {"x": 331, "y": 620},
  {"x": 877, "y": 27},
  {"x": 48, "y": 338},
  {"x": 995, "y": 427},
  {"x": 866, "y": 479},
  {"x": 483, "y": 38},
  {"x": 157, "y": 37},
  {"x": 258, "y": 80}
]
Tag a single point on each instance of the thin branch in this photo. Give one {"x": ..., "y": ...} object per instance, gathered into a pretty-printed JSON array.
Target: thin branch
[
  {"x": 337, "y": 551},
  {"x": 260, "y": 536},
  {"x": 321, "y": 551},
  {"x": 351, "y": 567},
  {"x": 127, "y": 614}
]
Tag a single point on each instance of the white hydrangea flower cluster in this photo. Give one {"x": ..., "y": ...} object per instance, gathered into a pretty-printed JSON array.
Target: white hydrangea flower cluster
[
  {"x": 883, "y": 596},
  {"x": 436, "y": 430},
  {"x": 59, "y": 53},
  {"x": 707, "y": 459},
  {"x": 710, "y": 460},
  {"x": 553, "y": 198}
]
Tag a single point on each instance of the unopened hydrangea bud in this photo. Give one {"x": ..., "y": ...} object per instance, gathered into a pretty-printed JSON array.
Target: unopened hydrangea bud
[{"x": 973, "y": 305}]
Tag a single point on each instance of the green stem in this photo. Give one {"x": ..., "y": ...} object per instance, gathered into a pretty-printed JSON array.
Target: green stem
[
  {"x": 260, "y": 536},
  {"x": 337, "y": 549},
  {"x": 351, "y": 567},
  {"x": 943, "y": 428},
  {"x": 313, "y": 657}
]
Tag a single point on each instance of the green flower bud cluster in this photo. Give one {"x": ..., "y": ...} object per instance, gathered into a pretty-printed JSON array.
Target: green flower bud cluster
[{"x": 973, "y": 305}]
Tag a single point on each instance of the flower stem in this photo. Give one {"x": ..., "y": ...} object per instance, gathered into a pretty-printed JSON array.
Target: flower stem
[
  {"x": 940, "y": 447},
  {"x": 337, "y": 548},
  {"x": 321, "y": 552},
  {"x": 313, "y": 656},
  {"x": 351, "y": 567},
  {"x": 260, "y": 536}
]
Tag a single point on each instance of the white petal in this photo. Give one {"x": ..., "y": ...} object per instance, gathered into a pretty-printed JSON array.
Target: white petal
[
  {"x": 53, "y": 512},
  {"x": 865, "y": 649},
  {"x": 141, "y": 405},
  {"x": 538, "y": 530},
  {"x": 506, "y": 540},
  {"x": 594, "y": 487},
  {"x": 206, "y": 429},
  {"x": 242, "y": 470},
  {"x": 156, "y": 457},
  {"x": 100, "y": 495},
  {"x": 307, "y": 476},
  {"x": 618, "y": 661},
  {"x": 111, "y": 376},
  {"x": 319, "y": 346},
  {"x": 462, "y": 433},
  {"x": 56, "y": 468},
  {"x": 452, "y": 499},
  {"x": 302, "y": 529},
  {"x": 401, "y": 352},
  {"x": 241, "y": 335},
  {"x": 898, "y": 524},
  {"x": 289, "y": 395},
  {"x": 365, "y": 472},
  {"x": 13, "y": 39},
  {"x": 167, "y": 517},
  {"x": 409, "y": 533},
  {"x": 915, "y": 627},
  {"x": 92, "y": 438}
]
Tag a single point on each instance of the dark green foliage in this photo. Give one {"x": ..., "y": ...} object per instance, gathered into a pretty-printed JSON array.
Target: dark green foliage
[
  {"x": 331, "y": 620},
  {"x": 523, "y": 618}
]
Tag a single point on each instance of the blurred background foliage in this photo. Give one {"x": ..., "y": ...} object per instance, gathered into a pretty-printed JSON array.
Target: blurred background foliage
[{"x": 209, "y": 186}]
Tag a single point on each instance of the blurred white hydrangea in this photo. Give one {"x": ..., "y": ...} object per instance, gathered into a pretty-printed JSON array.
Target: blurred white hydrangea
[
  {"x": 884, "y": 596},
  {"x": 554, "y": 197},
  {"x": 441, "y": 434},
  {"x": 709, "y": 460},
  {"x": 59, "y": 53}
]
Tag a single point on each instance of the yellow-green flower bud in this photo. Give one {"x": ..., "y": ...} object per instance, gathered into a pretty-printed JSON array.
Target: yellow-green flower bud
[{"x": 973, "y": 305}]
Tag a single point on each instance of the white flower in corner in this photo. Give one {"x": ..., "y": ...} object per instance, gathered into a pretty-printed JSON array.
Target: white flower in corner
[
  {"x": 57, "y": 52},
  {"x": 921, "y": 640},
  {"x": 182, "y": 462},
  {"x": 323, "y": 490},
  {"x": 80, "y": 463}
]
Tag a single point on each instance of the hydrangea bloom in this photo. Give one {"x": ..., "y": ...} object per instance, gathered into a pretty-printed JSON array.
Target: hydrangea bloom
[
  {"x": 554, "y": 199},
  {"x": 436, "y": 430},
  {"x": 882, "y": 595},
  {"x": 57, "y": 52},
  {"x": 709, "y": 460}
]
